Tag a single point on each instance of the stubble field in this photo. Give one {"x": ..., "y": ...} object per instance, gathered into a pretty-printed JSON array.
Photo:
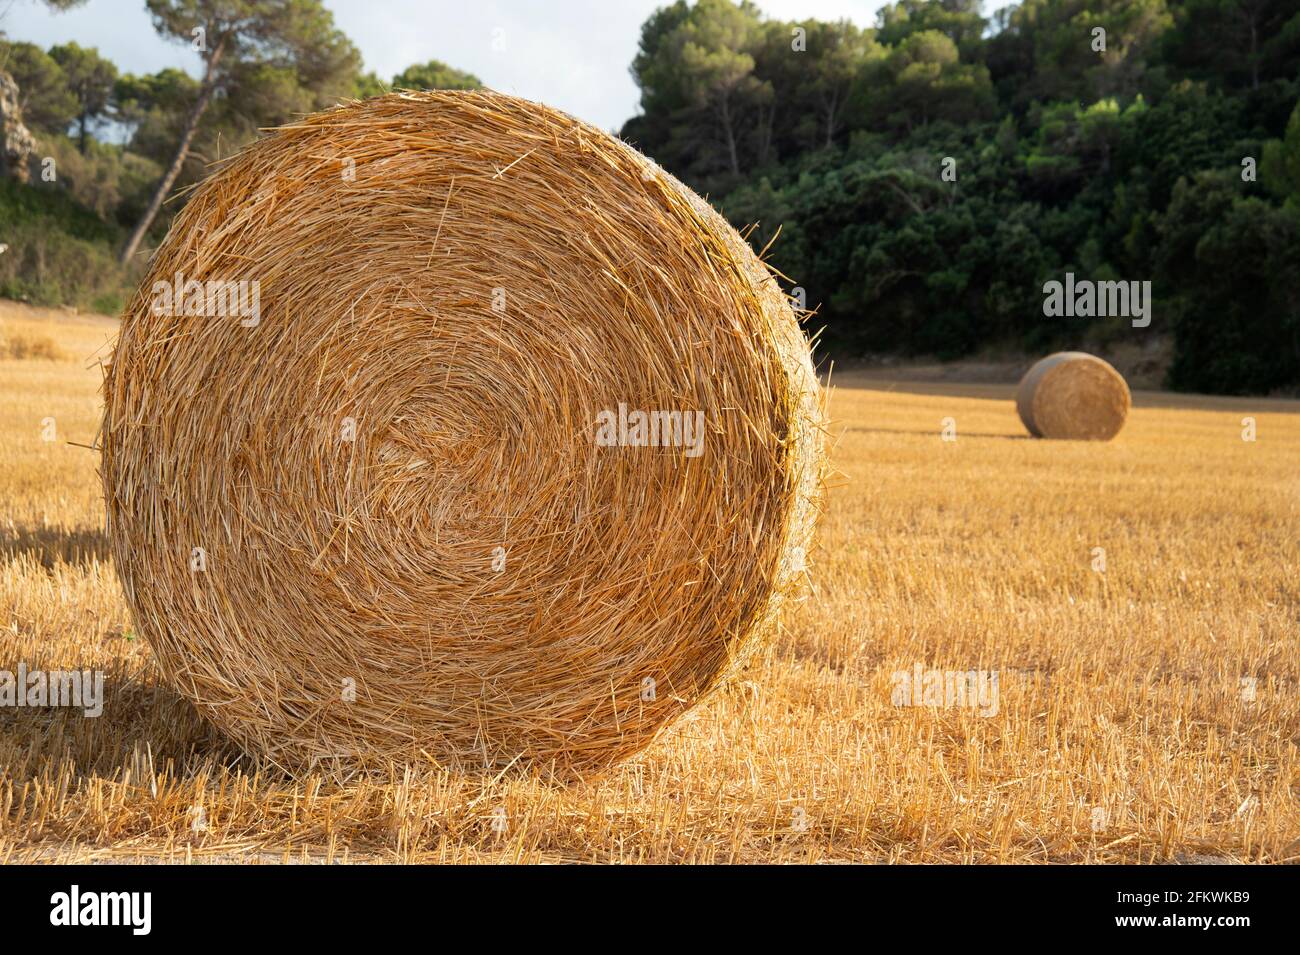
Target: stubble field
[{"x": 1148, "y": 693}]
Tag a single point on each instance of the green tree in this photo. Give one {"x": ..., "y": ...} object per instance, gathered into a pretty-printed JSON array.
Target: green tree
[
  {"x": 43, "y": 94},
  {"x": 781, "y": 121},
  {"x": 836, "y": 57},
  {"x": 923, "y": 80},
  {"x": 435, "y": 75},
  {"x": 1050, "y": 49},
  {"x": 153, "y": 108},
  {"x": 654, "y": 69},
  {"x": 1237, "y": 42},
  {"x": 368, "y": 85},
  {"x": 715, "y": 52},
  {"x": 1280, "y": 163},
  {"x": 1076, "y": 144},
  {"x": 266, "y": 58},
  {"x": 701, "y": 95},
  {"x": 1232, "y": 266},
  {"x": 90, "y": 80},
  {"x": 962, "y": 21}
]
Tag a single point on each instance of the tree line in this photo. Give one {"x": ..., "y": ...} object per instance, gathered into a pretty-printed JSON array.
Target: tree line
[
  {"x": 930, "y": 174},
  {"x": 123, "y": 144}
]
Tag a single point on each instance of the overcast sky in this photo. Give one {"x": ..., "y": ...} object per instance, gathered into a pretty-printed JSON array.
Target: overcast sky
[{"x": 571, "y": 54}]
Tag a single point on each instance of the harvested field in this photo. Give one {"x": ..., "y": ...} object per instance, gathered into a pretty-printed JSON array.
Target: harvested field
[{"x": 1146, "y": 712}]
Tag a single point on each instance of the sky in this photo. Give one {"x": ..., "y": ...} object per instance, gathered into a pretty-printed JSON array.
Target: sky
[{"x": 570, "y": 54}]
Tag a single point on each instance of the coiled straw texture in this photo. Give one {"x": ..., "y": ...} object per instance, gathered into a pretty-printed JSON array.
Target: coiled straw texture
[{"x": 510, "y": 452}]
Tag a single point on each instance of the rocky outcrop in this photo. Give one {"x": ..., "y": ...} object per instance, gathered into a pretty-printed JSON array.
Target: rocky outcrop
[{"x": 16, "y": 141}]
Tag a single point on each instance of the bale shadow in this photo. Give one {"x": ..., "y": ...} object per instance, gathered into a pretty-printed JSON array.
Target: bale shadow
[
  {"x": 53, "y": 545},
  {"x": 934, "y": 433},
  {"x": 146, "y": 728},
  {"x": 143, "y": 725}
]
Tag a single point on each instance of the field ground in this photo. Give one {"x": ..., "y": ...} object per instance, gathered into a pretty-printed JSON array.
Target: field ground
[{"x": 1148, "y": 712}]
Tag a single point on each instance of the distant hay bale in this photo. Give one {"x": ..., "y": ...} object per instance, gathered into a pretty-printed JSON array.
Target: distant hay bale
[
  {"x": 446, "y": 426},
  {"x": 29, "y": 346},
  {"x": 1074, "y": 396}
]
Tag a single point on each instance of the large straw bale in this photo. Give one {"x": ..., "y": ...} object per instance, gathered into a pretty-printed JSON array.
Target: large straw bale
[{"x": 382, "y": 519}]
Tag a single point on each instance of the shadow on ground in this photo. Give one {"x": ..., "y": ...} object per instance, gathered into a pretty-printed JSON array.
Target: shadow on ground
[
  {"x": 52, "y": 545},
  {"x": 935, "y": 433}
]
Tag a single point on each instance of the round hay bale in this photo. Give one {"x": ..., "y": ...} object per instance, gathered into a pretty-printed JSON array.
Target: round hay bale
[
  {"x": 1073, "y": 396},
  {"x": 510, "y": 454}
]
